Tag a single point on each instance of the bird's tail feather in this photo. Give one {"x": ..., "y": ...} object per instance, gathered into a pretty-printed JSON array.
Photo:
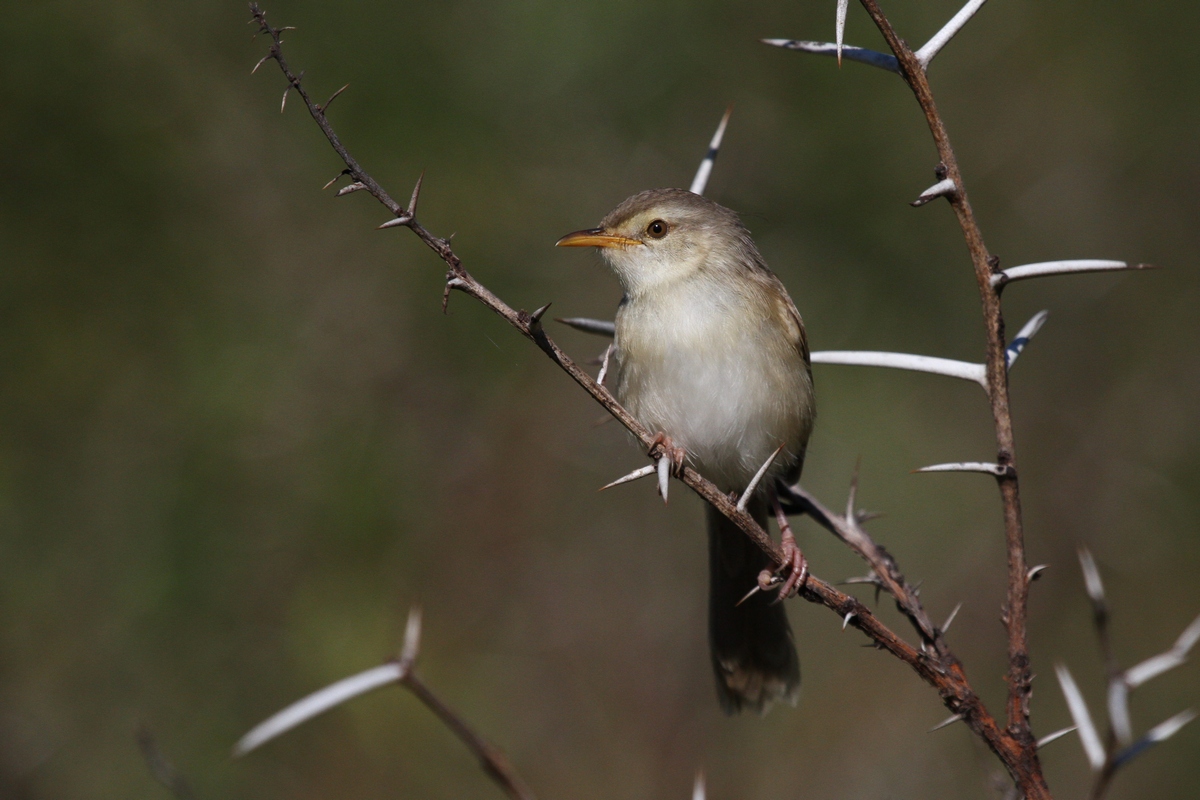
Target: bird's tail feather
[{"x": 753, "y": 655}]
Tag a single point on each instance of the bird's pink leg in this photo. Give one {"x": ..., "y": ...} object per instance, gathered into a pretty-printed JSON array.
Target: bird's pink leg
[
  {"x": 793, "y": 558},
  {"x": 667, "y": 449}
]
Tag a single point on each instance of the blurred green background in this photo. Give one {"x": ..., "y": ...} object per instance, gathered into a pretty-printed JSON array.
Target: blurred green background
[{"x": 238, "y": 437}]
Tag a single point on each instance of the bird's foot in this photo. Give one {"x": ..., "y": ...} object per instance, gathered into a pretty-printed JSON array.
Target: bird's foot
[
  {"x": 663, "y": 447},
  {"x": 796, "y": 566},
  {"x": 793, "y": 560}
]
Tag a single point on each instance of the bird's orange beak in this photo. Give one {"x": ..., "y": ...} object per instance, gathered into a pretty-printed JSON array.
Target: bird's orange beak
[{"x": 596, "y": 237}]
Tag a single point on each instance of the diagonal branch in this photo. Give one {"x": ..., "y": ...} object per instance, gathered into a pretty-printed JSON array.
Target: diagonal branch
[{"x": 944, "y": 674}]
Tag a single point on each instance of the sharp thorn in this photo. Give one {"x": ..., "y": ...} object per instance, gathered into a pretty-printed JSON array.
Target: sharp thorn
[
  {"x": 283, "y": 103},
  {"x": 1091, "y": 577},
  {"x": 943, "y": 188},
  {"x": 401, "y": 221},
  {"x": 334, "y": 179},
  {"x": 846, "y": 620},
  {"x": 412, "y": 639},
  {"x": 946, "y": 722},
  {"x": 350, "y": 188},
  {"x": 412, "y": 203},
  {"x": 640, "y": 472},
  {"x": 598, "y": 327},
  {"x": 604, "y": 365},
  {"x": 1052, "y": 737},
  {"x": 452, "y": 282},
  {"x": 536, "y": 317},
  {"x": 664, "y": 475},
  {"x": 840, "y": 30},
  {"x": 745, "y": 498},
  {"x": 261, "y": 61},
  {"x": 748, "y": 595},
  {"x": 950, "y": 618},
  {"x": 333, "y": 97}
]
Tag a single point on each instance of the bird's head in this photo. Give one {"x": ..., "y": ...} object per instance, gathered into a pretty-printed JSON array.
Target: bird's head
[{"x": 661, "y": 236}]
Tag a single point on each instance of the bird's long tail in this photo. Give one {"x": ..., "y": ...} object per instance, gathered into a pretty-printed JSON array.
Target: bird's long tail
[{"x": 753, "y": 655}]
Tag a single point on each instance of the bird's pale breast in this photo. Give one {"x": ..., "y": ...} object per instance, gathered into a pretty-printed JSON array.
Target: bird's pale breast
[{"x": 716, "y": 368}]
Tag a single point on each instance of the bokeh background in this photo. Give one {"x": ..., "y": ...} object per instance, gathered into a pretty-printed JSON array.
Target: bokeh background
[{"x": 238, "y": 438}]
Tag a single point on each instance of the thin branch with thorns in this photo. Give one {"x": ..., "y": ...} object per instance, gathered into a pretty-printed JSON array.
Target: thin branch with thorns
[{"x": 943, "y": 672}]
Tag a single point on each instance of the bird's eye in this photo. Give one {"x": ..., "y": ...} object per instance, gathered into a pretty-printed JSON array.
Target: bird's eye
[{"x": 657, "y": 229}]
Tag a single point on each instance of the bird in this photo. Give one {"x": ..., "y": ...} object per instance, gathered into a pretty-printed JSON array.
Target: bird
[{"x": 710, "y": 353}]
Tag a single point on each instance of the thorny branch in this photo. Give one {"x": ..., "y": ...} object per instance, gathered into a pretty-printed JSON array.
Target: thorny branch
[
  {"x": 933, "y": 661},
  {"x": 1019, "y": 748},
  {"x": 403, "y": 672}
]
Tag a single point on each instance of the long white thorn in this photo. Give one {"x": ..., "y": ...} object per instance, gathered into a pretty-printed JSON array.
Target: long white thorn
[
  {"x": 351, "y": 187},
  {"x": 946, "y": 722},
  {"x": 848, "y": 52},
  {"x": 1165, "y": 730},
  {"x": 641, "y": 472},
  {"x": 1152, "y": 667},
  {"x": 318, "y": 703},
  {"x": 416, "y": 194},
  {"x": 966, "y": 466},
  {"x": 840, "y": 34},
  {"x": 664, "y": 476},
  {"x": 950, "y": 619},
  {"x": 412, "y": 639},
  {"x": 698, "y": 787},
  {"x": 604, "y": 365},
  {"x": 710, "y": 158},
  {"x": 1023, "y": 336},
  {"x": 942, "y": 188},
  {"x": 846, "y": 619},
  {"x": 600, "y": 327},
  {"x": 1159, "y": 733},
  {"x": 1043, "y": 268},
  {"x": 1091, "y": 576},
  {"x": 404, "y": 219},
  {"x": 1053, "y": 737},
  {"x": 1187, "y": 640},
  {"x": 1118, "y": 711},
  {"x": 746, "y": 495},
  {"x": 931, "y": 364},
  {"x": 941, "y": 38},
  {"x": 1082, "y": 717}
]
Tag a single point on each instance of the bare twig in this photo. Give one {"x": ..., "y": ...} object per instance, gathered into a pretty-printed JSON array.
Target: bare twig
[
  {"x": 1119, "y": 747},
  {"x": 401, "y": 671}
]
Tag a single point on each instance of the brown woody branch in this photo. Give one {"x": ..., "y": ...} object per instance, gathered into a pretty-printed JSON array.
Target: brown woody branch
[
  {"x": 933, "y": 661},
  {"x": 1021, "y": 746}
]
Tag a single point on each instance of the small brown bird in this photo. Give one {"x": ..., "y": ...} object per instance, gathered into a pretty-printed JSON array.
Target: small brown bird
[{"x": 710, "y": 352}]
